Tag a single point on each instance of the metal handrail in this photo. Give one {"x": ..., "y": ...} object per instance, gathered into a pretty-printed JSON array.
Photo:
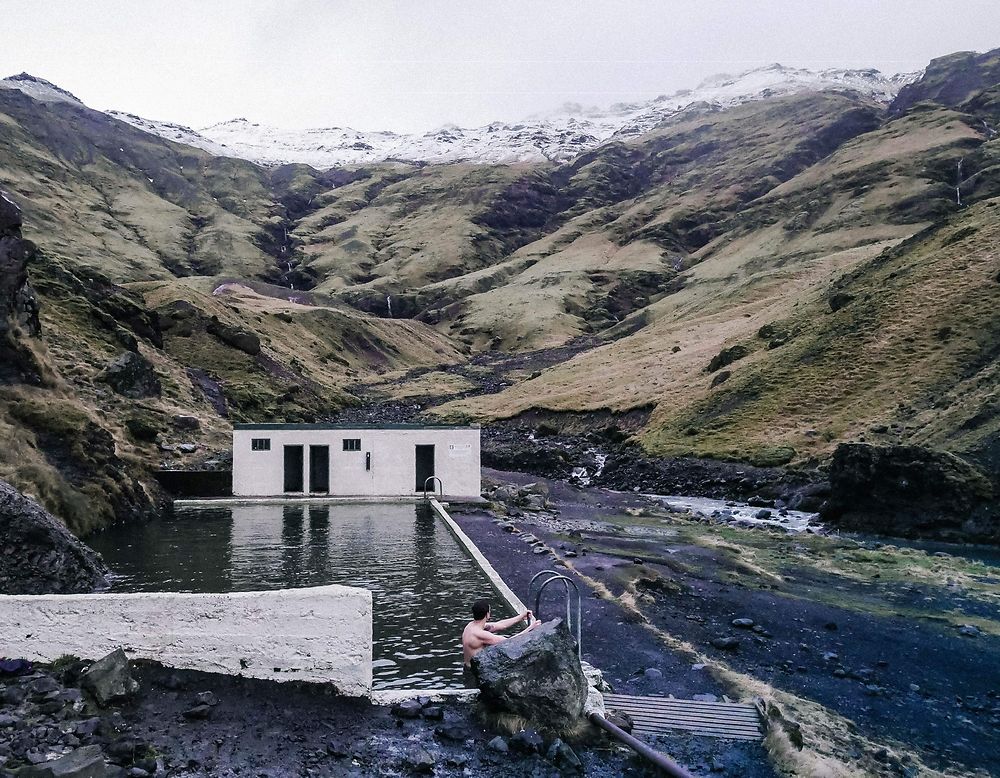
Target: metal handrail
[
  {"x": 567, "y": 582},
  {"x": 551, "y": 574},
  {"x": 536, "y": 576},
  {"x": 440, "y": 485}
]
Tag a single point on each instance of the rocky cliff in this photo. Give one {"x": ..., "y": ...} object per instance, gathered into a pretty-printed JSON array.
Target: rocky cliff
[{"x": 18, "y": 306}]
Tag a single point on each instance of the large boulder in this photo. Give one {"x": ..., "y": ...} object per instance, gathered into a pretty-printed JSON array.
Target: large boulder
[
  {"x": 535, "y": 675},
  {"x": 910, "y": 491},
  {"x": 39, "y": 555},
  {"x": 245, "y": 341},
  {"x": 131, "y": 374}
]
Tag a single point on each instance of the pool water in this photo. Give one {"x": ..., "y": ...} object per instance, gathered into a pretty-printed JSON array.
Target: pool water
[{"x": 423, "y": 582}]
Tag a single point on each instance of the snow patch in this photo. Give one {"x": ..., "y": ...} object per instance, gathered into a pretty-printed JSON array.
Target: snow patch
[{"x": 557, "y": 136}]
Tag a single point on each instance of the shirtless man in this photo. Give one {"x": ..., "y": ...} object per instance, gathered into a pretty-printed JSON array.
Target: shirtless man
[{"x": 480, "y": 632}]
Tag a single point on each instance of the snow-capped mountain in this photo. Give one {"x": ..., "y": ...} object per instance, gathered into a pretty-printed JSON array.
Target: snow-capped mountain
[
  {"x": 40, "y": 89},
  {"x": 558, "y": 136}
]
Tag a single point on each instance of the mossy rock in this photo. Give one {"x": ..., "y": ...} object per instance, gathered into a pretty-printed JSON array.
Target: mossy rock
[
  {"x": 773, "y": 456},
  {"x": 727, "y": 356},
  {"x": 142, "y": 428}
]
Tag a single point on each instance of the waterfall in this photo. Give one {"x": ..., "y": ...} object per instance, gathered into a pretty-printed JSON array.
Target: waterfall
[
  {"x": 958, "y": 184},
  {"x": 388, "y": 304}
]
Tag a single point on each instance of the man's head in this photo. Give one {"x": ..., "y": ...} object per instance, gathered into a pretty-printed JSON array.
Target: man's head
[{"x": 480, "y": 609}]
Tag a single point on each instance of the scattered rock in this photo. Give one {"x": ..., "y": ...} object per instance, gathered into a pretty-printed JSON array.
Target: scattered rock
[
  {"x": 499, "y": 745},
  {"x": 185, "y": 422},
  {"x": 839, "y": 300},
  {"x": 420, "y": 760},
  {"x": 206, "y": 698},
  {"x": 456, "y": 733},
  {"x": 621, "y": 720},
  {"x": 245, "y": 341},
  {"x": 86, "y": 762},
  {"x": 132, "y": 375},
  {"x": 653, "y": 673},
  {"x": 109, "y": 679},
  {"x": 726, "y": 643},
  {"x": 527, "y": 741},
  {"x": 743, "y": 623},
  {"x": 969, "y": 631},
  {"x": 408, "y": 709},
  {"x": 198, "y": 712},
  {"x": 705, "y": 698},
  {"x": 433, "y": 712},
  {"x": 563, "y": 757}
]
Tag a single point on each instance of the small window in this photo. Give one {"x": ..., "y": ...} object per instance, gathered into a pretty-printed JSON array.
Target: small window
[
  {"x": 260, "y": 444},
  {"x": 352, "y": 444}
]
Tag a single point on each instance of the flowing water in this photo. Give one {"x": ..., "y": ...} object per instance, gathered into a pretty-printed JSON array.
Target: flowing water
[{"x": 422, "y": 581}]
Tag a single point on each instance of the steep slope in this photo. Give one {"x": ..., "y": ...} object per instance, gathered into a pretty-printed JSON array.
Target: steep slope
[
  {"x": 799, "y": 325},
  {"x": 126, "y": 348},
  {"x": 950, "y": 80}
]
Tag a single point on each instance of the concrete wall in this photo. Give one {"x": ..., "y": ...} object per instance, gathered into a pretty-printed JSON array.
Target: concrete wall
[
  {"x": 322, "y": 634},
  {"x": 393, "y": 462}
]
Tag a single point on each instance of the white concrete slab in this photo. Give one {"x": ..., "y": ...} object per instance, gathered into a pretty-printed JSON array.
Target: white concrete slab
[{"x": 321, "y": 634}]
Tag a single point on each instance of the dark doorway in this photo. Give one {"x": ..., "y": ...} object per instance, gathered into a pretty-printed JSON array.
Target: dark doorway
[
  {"x": 425, "y": 467},
  {"x": 319, "y": 469},
  {"x": 293, "y": 468}
]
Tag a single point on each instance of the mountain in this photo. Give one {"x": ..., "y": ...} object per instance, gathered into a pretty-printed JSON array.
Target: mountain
[
  {"x": 557, "y": 137},
  {"x": 757, "y": 276}
]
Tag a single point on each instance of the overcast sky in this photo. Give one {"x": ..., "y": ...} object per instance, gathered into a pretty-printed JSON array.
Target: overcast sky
[{"x": 413, "y": 65}]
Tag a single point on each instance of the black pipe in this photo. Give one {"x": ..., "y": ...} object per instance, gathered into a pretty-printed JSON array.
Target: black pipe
[{"x": 668, "y": 766}]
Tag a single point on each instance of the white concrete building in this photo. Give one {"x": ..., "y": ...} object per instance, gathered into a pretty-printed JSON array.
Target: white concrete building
[{"x": 271, "y": 460}]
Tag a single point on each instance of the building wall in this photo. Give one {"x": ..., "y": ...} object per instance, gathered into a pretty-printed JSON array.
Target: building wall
[
  {"x": 393, "y": 463},
  {"x": 322, "y": 634}
]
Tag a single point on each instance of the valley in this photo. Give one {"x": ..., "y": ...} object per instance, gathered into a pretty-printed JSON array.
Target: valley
[
  {"x": 740, "y": 277},
  {"x": 780, "y": 288}
]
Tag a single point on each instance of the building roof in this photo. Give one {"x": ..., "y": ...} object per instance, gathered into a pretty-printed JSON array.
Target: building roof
[{"x": 264, "y": 427}]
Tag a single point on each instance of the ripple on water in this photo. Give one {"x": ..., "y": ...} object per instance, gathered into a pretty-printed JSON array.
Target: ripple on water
[{"x": 422, "y": 580}]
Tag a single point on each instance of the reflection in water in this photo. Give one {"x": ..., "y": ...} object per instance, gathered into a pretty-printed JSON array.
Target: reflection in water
[{"x": 422, "y": 581}]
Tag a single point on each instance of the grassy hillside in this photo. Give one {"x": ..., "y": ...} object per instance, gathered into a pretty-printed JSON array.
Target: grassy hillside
[
  {"x": 749, "y": 361},
  {"x": 136, "y": 239}
]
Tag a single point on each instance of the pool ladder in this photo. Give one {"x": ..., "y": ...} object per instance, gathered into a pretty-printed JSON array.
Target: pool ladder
[
  {"x": 551, "y": 576},
  {"x": 440, "y": 491}
]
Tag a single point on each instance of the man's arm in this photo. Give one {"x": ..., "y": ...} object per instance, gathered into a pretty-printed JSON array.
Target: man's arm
[
  {"x": 499, "y": 626},
  {"x": 488, "y": 638}
]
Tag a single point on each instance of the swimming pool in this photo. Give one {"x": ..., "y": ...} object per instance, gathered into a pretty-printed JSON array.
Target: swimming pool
[{"x": 422, "y": 580}]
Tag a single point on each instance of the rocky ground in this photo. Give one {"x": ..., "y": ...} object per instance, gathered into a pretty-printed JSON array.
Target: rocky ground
[
  {"x": 881, "y": 658},
  {"x": 891, "y": 652},
  {"x": 199, "y": 724}
]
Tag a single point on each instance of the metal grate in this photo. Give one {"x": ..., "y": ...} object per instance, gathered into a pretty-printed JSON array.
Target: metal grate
[{"x": 663, "y": 715}]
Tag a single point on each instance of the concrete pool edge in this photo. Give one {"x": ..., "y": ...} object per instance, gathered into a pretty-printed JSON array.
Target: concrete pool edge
[
  {"x": 473, "y": 550},
  {"x": 209, "y": 502}
]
